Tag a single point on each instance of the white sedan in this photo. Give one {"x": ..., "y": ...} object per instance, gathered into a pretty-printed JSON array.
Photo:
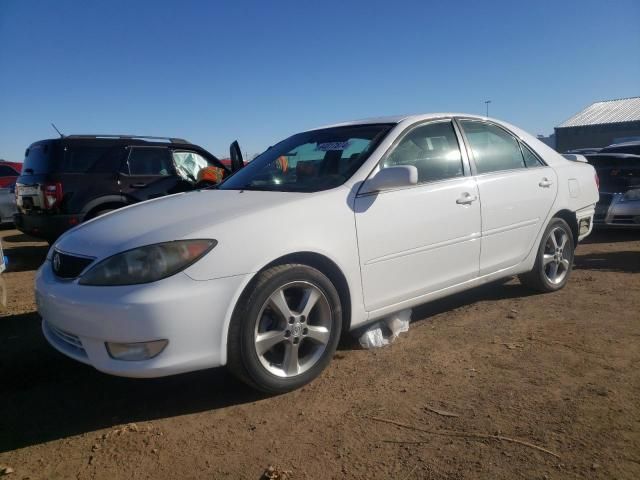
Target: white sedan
[{"x": 325, "y": 232}]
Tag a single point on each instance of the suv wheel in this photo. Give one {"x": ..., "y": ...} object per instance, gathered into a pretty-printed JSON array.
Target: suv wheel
[{"x": 285, "y": 328}]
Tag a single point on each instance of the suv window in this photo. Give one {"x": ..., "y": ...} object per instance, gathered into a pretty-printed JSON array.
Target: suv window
[
  {"x": 92, "y": 159},
  {"x": 433, "y": 149},
  {"x": 150, "y": 161},
  {"x": 493, "y": 148},
  {"x": 189, "y": 164}
]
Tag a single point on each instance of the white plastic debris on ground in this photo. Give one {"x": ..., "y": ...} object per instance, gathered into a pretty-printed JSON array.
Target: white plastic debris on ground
[{"x": 385, "y": 331}]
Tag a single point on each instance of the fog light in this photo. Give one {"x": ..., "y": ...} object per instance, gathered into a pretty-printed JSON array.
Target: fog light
[{"x": 135, "y": 351}]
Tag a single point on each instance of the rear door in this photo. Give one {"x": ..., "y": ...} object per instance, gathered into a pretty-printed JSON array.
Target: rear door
[
  {"x": 148, "y": 172},
  {"x": 516, "y": 189}
]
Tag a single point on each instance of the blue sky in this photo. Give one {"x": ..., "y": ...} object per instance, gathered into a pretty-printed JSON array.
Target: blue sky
[{"x": 259, "y": 71}]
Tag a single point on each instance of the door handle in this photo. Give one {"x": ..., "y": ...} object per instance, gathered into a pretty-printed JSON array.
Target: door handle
[
  {"x": 138, "y": 185},
  {"x": 466, "y": 199},
  {"x": 545, "y": 182}
]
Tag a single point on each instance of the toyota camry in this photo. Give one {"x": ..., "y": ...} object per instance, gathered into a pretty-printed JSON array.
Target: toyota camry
[{"x": 325, "y": 232}]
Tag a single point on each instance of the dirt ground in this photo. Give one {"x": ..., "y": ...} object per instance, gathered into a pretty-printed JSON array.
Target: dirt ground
[{"x": 558, "y": 371}]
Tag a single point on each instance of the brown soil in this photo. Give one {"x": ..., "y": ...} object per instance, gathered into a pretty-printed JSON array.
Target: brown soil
[{"x": 558, "y": 371}]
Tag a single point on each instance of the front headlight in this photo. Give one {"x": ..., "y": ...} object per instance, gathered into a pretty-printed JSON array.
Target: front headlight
[
  {"x": 632, "y": 195},
  {"x": 147, "y": 264}
]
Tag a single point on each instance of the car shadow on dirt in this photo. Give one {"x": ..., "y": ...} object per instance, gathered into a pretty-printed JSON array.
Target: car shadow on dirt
[
  {"x": 498, "y": 290},
  {"x": 612, "y": 236},
  {"x": 45, "y": 396},
  {"x": 21, "y": 238},
  {"x": 625, "y": 261}
]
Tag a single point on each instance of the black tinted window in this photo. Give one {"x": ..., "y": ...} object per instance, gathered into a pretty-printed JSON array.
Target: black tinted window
[
  {"x": 433, "y": 149},
  {"x": 150, "y": 161},
  {"x": 40, "y": 158},
  {"x": 92, "y": 159},
  {"x": 493, "y": 148}
]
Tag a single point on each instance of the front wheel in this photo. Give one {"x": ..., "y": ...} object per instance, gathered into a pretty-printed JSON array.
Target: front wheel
[
  {"x": 554, "y": 261},
  {"x": 285, "y": 328}
]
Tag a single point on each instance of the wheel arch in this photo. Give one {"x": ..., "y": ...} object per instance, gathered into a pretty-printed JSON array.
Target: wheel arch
[
  {"x": 102, "y": 203},
  {"x": 325, "y": 265},
  {"x": 569, "y": 217}
]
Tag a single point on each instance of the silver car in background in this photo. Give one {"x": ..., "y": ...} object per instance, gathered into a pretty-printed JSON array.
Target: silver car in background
[
  {"x": 7, "y": 205},
  {"x": 619, "y": 204}
]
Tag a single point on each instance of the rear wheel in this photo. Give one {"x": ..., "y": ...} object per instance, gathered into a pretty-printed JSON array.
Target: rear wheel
[
  {"x": 554, "y": 261},
  {"x": 285, "y": 328}
]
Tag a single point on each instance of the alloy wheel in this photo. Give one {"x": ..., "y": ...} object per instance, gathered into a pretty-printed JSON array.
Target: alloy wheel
[
  {"x": 557, "y": 256},
  {"x": 293, "y": 329}
]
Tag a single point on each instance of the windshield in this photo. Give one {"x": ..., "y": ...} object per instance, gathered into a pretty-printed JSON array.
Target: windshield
[{"x": 310, "y": 161}]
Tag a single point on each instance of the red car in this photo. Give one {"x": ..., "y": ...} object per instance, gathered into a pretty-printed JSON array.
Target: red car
[{"x": 9, "y": 172}]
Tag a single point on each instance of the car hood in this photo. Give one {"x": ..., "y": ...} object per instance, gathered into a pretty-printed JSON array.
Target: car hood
[{"x": 169, "y": 218}]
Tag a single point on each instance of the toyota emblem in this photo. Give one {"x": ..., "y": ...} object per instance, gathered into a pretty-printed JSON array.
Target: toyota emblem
[{"x": 56, "y": 262}]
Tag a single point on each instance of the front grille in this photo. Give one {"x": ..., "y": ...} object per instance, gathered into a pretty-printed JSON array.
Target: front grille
[
  {"x": 68, "y": 266},
  {"x": 65, "y": 340}
]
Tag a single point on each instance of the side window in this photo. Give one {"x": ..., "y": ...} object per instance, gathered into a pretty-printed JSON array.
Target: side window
[
  {"x": 152, "y": 161},
  {"x": 433, "y": 149},
  {"x": 92, "y": 159},
  {"x": 493, "y": 148},
  {"x": 530, "y": 158},
  {"x": 190, "y": 164}
]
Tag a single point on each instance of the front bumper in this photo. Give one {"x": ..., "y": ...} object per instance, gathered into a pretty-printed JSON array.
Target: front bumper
[
  {"x": 192, "y": 315},
  {"x": 612, "y": 212}
]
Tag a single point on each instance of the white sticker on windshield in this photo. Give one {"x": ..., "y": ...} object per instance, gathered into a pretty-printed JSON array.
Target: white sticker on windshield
[{"x": 325, "y": 147}]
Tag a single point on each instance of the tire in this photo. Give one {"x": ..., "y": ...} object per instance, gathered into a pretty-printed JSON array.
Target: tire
[
  {"x": 554, "y": 261},
  {"x": 276, "y": 354}
]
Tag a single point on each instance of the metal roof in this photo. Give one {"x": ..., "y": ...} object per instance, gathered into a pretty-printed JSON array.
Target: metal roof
[{"x": 608, "y": 111}]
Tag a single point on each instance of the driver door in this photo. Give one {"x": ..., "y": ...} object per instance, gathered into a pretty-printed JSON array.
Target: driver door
[
  {"x": 422, "y": 238},
  {"x": 148, "y": 173}
]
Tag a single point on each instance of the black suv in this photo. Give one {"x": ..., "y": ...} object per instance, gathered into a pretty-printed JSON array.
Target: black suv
[{"x": 68, "y": 180}]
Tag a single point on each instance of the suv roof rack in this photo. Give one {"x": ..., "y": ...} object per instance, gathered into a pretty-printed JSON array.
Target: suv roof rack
[{"x": 139, "y": 137}]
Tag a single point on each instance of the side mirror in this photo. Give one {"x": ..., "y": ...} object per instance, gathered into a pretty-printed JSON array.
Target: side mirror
[
  {"x": 392, "y": 177},
  {"x": 236, "y": 156}
]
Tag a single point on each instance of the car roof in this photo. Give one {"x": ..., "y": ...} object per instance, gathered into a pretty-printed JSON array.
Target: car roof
[
  {"x": 115, "y": 140},
  {"x": 118, "y": 140},
  {"x": 411, "y": 118}
]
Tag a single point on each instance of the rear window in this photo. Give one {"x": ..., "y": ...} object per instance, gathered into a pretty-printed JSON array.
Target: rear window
[{"x": 40, "y": 158}]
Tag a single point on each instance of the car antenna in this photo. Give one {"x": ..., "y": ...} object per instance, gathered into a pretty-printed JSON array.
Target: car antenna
[{"x": 56, "y": 129}]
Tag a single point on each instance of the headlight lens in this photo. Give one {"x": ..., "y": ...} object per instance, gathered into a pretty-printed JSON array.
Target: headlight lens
[
  {"x": 632, "y": 195},
  {"x": 147, "y": 264}
]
